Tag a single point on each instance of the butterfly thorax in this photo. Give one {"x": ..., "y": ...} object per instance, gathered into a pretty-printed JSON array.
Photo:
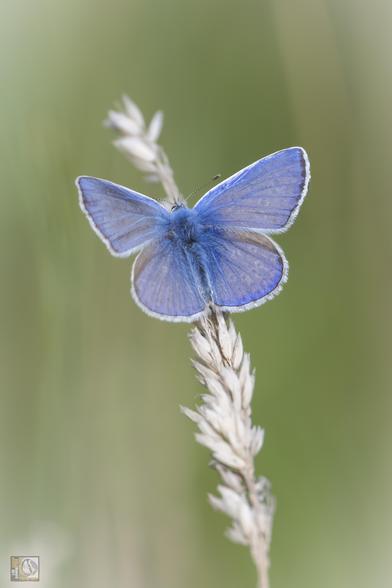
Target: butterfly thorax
[{"x": 184, "y": 227}]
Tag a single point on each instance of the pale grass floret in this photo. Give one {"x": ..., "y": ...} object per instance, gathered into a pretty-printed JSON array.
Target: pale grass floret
[
  {"x": 138, "y": 142},
  {"x": 224, "y": 416}
]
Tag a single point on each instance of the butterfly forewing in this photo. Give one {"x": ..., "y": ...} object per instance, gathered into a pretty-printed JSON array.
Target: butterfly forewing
[
  {"x": 265, "y": 196},
  {"x": 125, "y": 220}
]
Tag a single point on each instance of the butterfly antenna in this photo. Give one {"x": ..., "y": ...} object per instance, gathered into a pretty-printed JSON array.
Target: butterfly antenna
[{"x": 203, "y": 186}]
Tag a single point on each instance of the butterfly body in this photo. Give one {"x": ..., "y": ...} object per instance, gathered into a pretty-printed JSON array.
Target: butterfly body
[
  {"x": 190, "y": 242},
  {"x": 217, "y": 253}
]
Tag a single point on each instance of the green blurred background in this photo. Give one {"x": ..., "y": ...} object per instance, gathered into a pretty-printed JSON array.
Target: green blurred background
[{"x": 100, "y": 474}]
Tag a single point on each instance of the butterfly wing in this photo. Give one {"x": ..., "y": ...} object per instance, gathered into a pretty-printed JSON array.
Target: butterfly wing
[
  {"x": 244, "y": 269},
  {"x": 125, "y": 220},
  {"x": 166, "y": 282},
  {"x": 265, "y": 196}
]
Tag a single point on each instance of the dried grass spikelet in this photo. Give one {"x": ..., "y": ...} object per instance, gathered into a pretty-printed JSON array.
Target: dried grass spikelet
[{"x": 225, "y": 428}]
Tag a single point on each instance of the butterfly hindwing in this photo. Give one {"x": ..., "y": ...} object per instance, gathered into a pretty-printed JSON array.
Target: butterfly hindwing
[
  {"x": 244, "y": 269},
  {"x": 166, "y": 282},
  {"x": 265, "y": 196},
  {"x": 125, "y": 220}
]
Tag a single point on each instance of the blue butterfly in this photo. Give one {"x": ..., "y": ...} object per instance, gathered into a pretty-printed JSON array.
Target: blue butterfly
[{"x": 217, "y": 253}]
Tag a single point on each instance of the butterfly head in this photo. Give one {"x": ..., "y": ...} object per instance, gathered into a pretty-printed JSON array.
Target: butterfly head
[{"x": 177, "y": 206}]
